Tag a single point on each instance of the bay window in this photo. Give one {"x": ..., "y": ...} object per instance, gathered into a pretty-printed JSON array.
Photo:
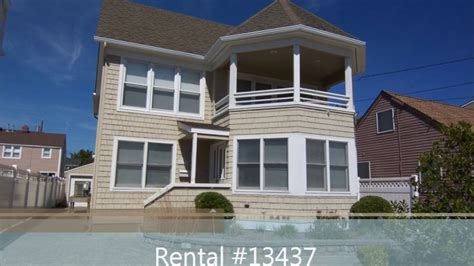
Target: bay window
[
  {"x": 262, "y": 164},
  {"x": 143, "y": 164},
  {"x": 160, "y": 88}
]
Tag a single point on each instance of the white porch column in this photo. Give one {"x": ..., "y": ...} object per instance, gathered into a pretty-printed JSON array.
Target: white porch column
[
  {"x": 348, "y": 83},
  {"x": 296, "y": 73},
  {"x": 232, "y": 79},
  {"x": 193, "y": 158}
]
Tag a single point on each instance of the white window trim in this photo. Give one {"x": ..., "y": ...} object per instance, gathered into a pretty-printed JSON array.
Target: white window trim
[
  {"x": 13, "y": 149},
  {"x": 177, "y": 83},
  {"x": 370, "y": 170},
  {"x": 328, "y": 167},
  {"x": 145, "y": 149},
  {"x": 262, "y": 165},
  {"x": 297, "y": 166},
  {"x": 79, "y": 177},
  {"x": 50, "y": 153},
  {"x": 393, "y": 121}
]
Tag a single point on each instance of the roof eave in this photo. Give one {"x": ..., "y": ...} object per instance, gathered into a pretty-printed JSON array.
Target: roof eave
[
  {"x": 225, "y": 41},
  {"x": 149, "y": 48}
]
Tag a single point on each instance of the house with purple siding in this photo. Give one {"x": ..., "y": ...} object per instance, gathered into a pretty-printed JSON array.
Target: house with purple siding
[
  {"x": 397, "y": 129},
  {"x": 392, "y": 135}
]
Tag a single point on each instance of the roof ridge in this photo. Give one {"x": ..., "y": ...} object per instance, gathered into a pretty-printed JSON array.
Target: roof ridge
[
  {"x": 253, "y": 16},
  {"x": 290, "y": 12},
  {"x": 293, "y": 5},
  {"x": 421, "y": 99},
  {"x": 176, "y": 13}
]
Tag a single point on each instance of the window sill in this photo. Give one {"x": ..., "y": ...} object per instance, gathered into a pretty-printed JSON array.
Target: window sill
[
  {"x": 125, "y": 189},
  {"x": 386, "y": 131},
  {"x": 160, "y": 113}
]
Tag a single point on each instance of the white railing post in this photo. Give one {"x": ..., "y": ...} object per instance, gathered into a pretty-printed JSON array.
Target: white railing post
[
  {"x": 232, "y": 80},
  {"x": 348, "y": 82},
  {"x": 296, "y": 72},
  {"x": 193, "y": 159}
]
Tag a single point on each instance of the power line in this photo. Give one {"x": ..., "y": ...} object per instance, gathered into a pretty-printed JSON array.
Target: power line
[
  {"x": 426, "y": 90},
  {"x": 415, "y": 68}
]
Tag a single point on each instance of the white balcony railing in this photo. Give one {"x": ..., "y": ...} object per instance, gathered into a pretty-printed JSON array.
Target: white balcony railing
[{"x": 282, "y": 96}]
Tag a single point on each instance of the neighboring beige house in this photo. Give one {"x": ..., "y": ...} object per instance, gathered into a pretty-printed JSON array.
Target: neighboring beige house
[
  {"x": 4, "y": 6},
  {"x": 39, "y": 152},
  {"x": 79, "y": 183},
  {"x": 186, "y": 105}
]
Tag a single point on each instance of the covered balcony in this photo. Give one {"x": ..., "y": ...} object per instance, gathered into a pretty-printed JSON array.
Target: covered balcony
[{"x": 312, "y": 76}]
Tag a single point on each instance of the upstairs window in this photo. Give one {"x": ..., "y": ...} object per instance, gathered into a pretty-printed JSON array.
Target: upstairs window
[
  {"x": 46, "y": 153},
  {"x": 11, "y": 152},
  {"x": 385, "y": 121},
  {"x": 363, "y": 169},
  {"x": 161, "y": 88}
]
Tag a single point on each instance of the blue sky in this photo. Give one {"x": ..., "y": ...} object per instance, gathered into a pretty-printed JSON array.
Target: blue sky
[{"x": 48, "y": 72}]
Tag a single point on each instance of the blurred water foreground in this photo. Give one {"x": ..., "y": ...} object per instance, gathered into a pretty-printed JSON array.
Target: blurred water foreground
[{"x": 58, "y": 237}]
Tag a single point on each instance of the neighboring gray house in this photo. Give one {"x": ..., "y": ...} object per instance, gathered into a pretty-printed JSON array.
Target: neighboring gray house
[
  {"x": 4, "y": 6},
  {"x": 186, "y": 105}
]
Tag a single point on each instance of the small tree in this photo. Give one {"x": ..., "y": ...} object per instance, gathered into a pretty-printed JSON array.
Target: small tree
[
  {"x": 446, "y": 172},
  {"x": 86, "y": 156}
]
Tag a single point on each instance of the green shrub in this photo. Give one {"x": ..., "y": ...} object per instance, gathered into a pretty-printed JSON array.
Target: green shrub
[
  {"x": 286, "y": 231},
  {"x": 373, "y": 255},
  {"x": 399, "y": 206},
  {"x": 213, "y": 200},
  {"x": 372, "y": 204}
]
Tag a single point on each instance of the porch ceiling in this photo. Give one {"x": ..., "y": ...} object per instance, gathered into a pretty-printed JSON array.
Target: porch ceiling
[{"x": 317, "y": 68}]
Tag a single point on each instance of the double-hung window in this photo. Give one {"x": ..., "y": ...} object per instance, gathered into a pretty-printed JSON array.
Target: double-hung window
[
  {"x": 160, "y": 88},
  {"x": 46, "y": 153},
  {"x": 143, "y": 164},
  {"x": 262, "y": 164},
  {"x": 163, "y": 88},
  {"x": 135, "y": 88},
  {"x": 12, "y": 152},
  {"x": 326, "y": 159},
  {"x": 189, "y": 97}
]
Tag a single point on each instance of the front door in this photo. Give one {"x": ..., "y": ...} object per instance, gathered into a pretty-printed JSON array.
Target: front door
[{"x": 217, "y": 162}]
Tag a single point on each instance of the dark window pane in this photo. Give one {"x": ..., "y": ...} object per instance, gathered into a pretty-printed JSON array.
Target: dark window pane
[
  {"x": 363, "y": 170},
  {"x": 262, "y": 86},
  {"x": 249, "y": 151},
  {"x": 244, "y": 85},
  {"x": 385, "y": 121},
  {"x": 159, "y": 165},
  {"x": 316, "y": 177},
  {"x": 189, "y": 103},
  {"x": 276, "y": 176},
  {"x": 134, "y": 96},
  {"x": 276, "y": 151},
  {"x": 163, "y": 99},
  {"x": 339, "y": 178},
  {"x": 248, "y": 176},
  {"x": 315, "y": 151},
  {"x": 158, "y": 176}
]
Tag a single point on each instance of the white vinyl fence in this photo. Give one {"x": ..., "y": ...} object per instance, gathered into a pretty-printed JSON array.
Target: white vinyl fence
[
  {"x": 391, "y": 189},
  {"x": 21, "y": 189}
]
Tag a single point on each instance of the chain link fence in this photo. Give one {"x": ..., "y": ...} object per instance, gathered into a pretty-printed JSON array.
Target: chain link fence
[{"x": 21, "y": 189}]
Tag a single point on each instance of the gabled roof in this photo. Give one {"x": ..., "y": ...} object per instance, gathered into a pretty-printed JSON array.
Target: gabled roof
[
  {"x": 126, "y": 21},
  {"x": 136, "y": 23},
  {"x": 282, "y": 13},
  {"x": 33, "y": 138},
  {"x": 442, "y": 113}
]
